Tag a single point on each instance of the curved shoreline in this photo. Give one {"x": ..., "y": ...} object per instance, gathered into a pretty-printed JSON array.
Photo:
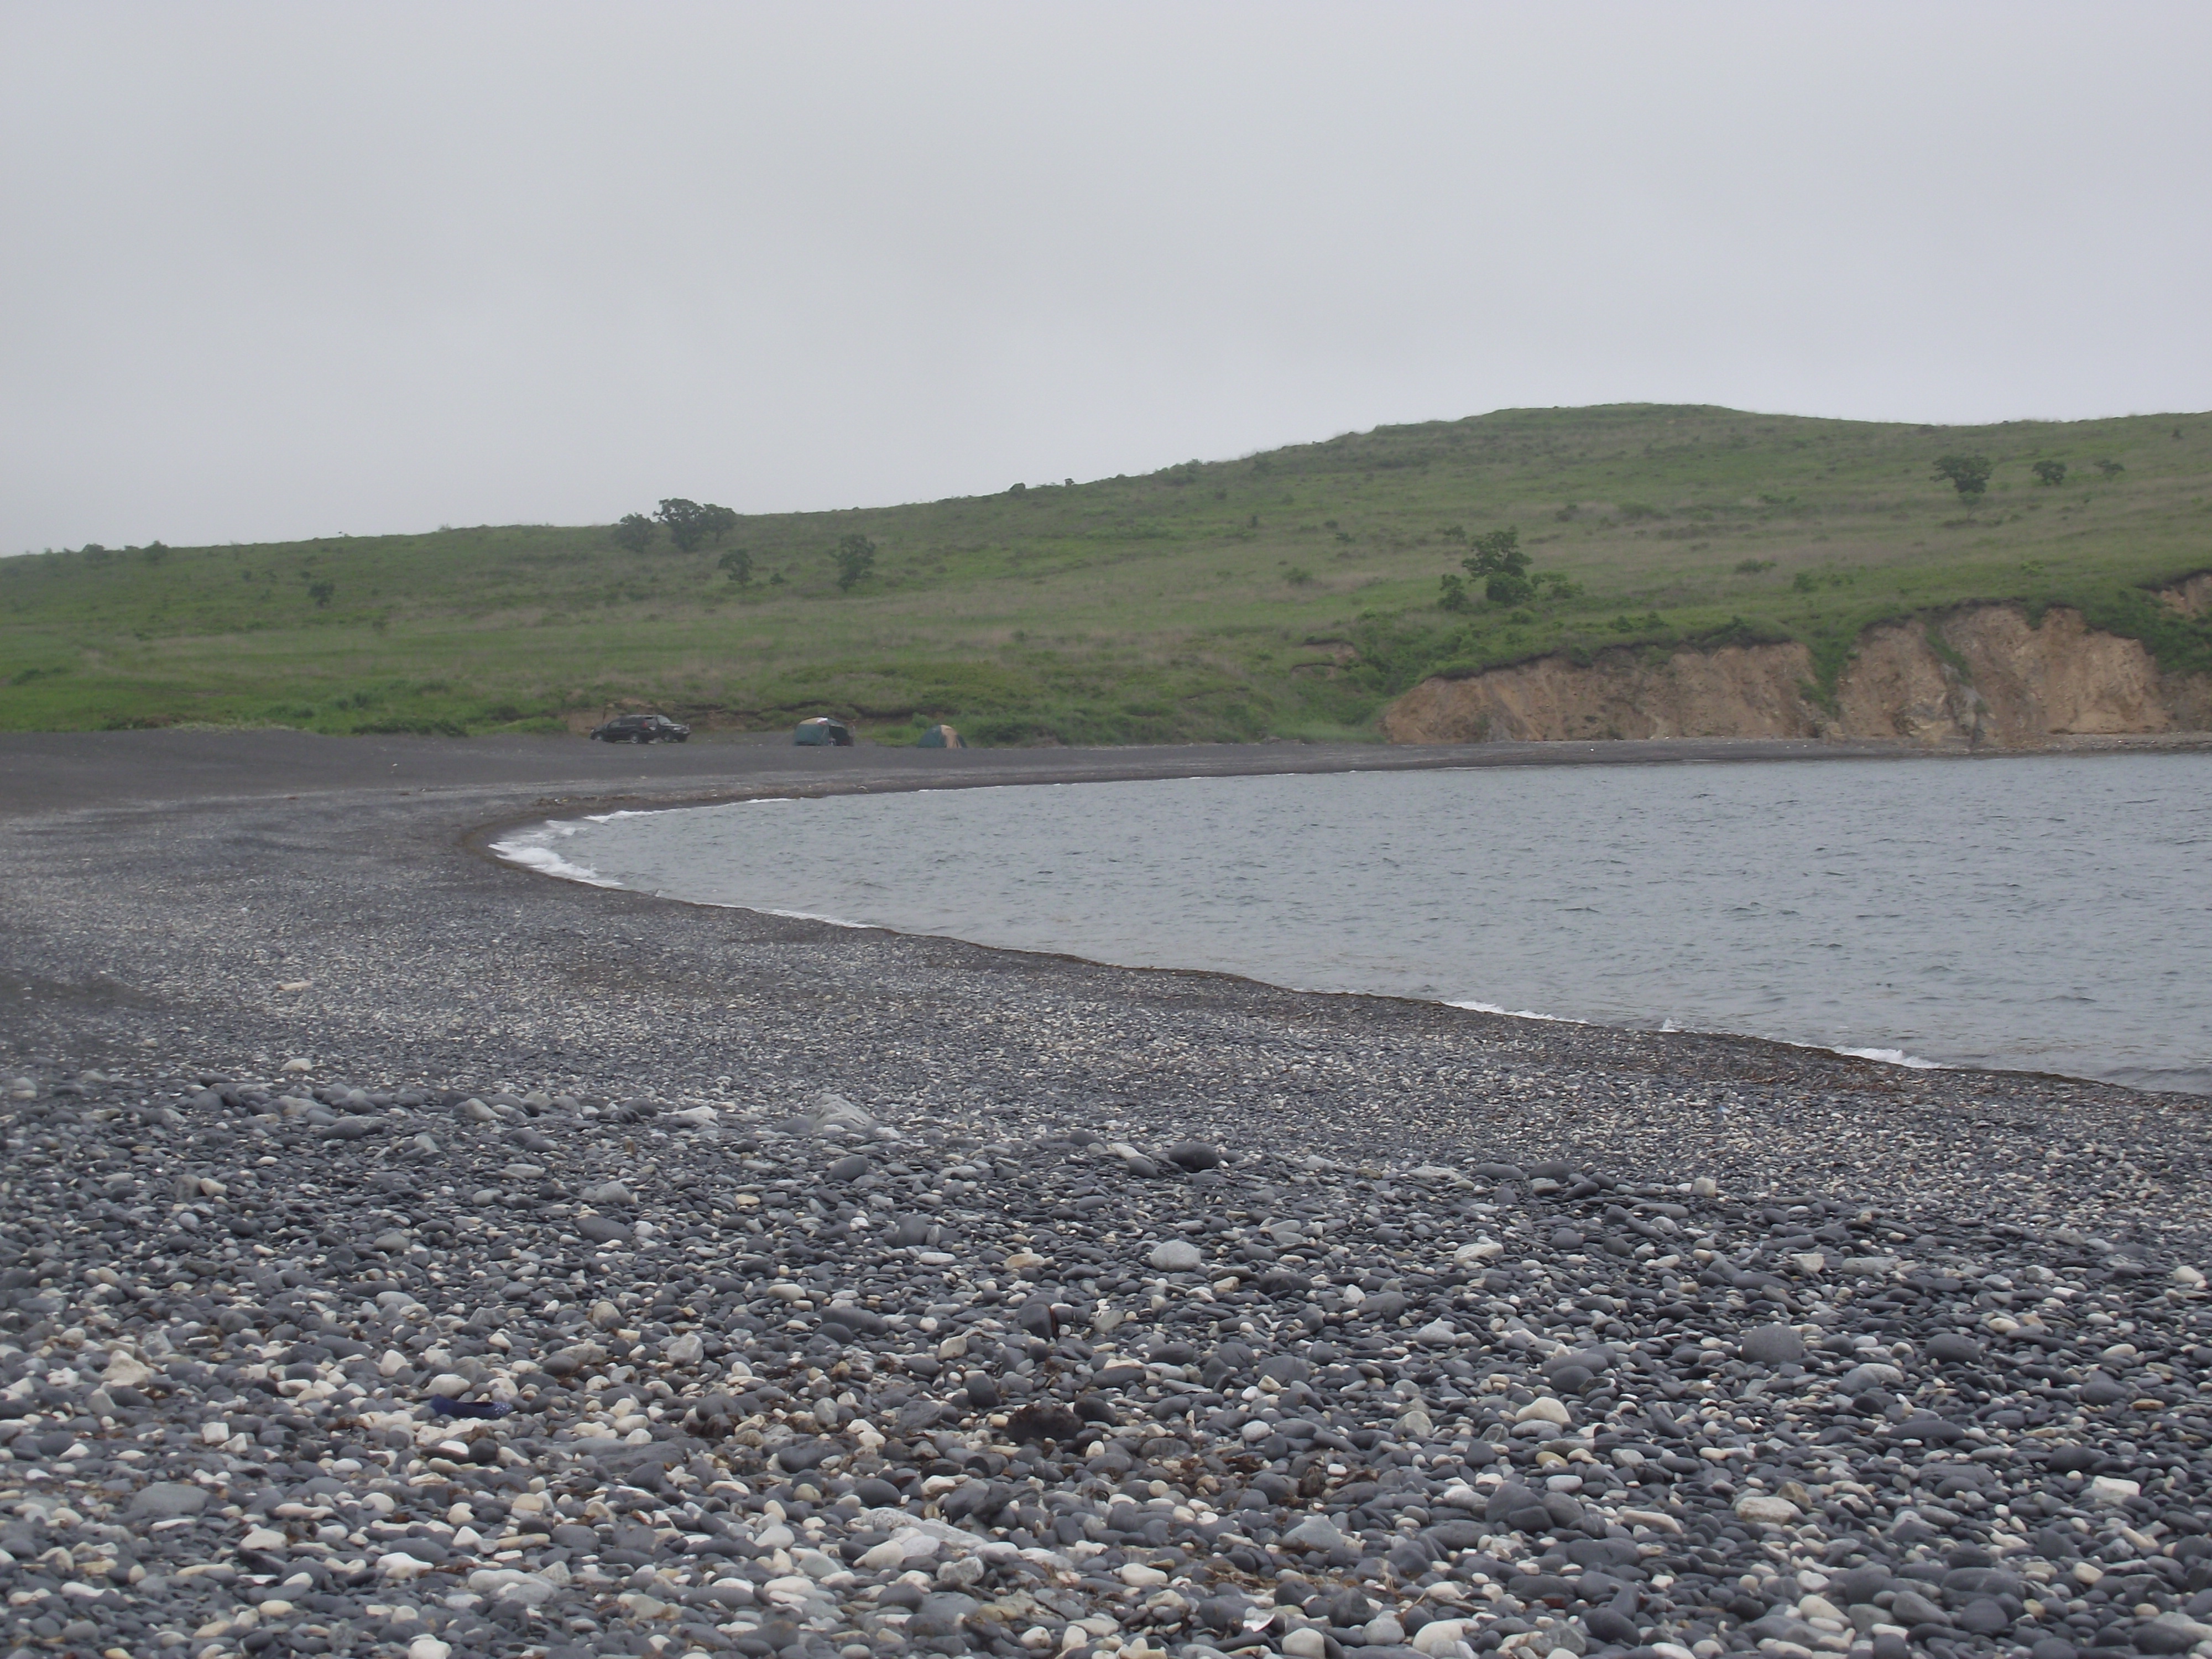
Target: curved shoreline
[
  {"x": 468, "y": 792},
  {"x": 537, "y": 844},
  {"x": 70, "y": 770},
  {"x": 581, "y": 875},
  {"x": 839, "y": 1205},
  {"x": 146, "y": 806}
]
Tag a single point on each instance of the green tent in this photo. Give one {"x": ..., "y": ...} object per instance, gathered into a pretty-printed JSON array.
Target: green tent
[
  {"x": 822, "y": 732},
  {"x": 940, "y": 737}
]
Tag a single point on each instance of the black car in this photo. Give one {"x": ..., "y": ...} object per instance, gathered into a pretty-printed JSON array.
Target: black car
[{"x": 643, "y": 728}]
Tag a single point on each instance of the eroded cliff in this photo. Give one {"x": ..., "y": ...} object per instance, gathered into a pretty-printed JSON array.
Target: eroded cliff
[{"x": 1980, "y": 677}]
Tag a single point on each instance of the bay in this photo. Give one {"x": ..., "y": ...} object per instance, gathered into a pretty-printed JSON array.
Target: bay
[{"x": 2048, "y": 913}]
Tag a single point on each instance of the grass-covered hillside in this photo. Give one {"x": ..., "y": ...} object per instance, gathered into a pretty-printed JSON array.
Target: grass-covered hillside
[{"x": 1288, "y": 593}]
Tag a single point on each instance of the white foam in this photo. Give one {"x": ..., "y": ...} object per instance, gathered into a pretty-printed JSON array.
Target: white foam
[
  {"x": 789, "y": 916},
  {"x": 1894, "y": 1057},
  {"x": 1513, "y": 1013},
  {"x": 1668, "y": 1027},
  {"x": 809, "y": 915},
  {"x": 531, "y": 853}
]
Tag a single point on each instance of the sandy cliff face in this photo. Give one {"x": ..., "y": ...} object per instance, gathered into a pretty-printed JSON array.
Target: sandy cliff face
[
  {"x": 2191, "y": 596},
  {"x": 1981, "y": 678},
  {"x": 1750, "y": 691}
]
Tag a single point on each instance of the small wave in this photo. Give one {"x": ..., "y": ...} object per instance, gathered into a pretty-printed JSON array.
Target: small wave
[
  {"x": 2178, "y": 1079},
  {"x": 620, "y": 813},
  {"x": 1513, "y": 1013},
  {"x": 809, "y": 915},
  {"x": 1894, "y": 1057},
  {"x": 531, "y": 853}
]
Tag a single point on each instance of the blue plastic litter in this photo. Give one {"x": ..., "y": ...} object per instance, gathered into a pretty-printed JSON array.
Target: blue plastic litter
[{"x": 446, "y": 1407}]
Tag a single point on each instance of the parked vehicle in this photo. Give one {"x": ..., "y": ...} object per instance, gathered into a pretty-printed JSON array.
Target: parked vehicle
[
  {"x": 643, "y": 728},
  {"x": 823, "y": 731}
]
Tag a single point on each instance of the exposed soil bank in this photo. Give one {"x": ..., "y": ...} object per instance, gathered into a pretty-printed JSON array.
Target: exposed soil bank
[
  {"x": 2192, "y": 597},
  {"x": 1983, "y": 677}
]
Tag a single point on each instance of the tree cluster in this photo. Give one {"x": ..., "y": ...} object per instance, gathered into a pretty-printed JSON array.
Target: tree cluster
[
  {"x": 1502, "y": 568},
  {"x": 689, "y": 524},
  {"x": 1970, "y": 474},
  {"x": 692, "y": 525}
]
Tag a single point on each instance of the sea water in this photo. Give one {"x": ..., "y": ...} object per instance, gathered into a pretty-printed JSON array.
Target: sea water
[{"x": 2040, "y": 913}]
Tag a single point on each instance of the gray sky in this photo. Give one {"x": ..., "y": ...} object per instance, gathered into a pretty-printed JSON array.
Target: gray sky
[{"x": 274, "y": 270}]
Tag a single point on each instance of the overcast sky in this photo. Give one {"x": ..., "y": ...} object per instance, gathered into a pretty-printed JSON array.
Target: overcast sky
[{"x": 276, "y": 270}]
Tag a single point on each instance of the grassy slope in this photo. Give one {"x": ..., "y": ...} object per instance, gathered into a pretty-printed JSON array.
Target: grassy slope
[{"x": 1289, "y": 593}]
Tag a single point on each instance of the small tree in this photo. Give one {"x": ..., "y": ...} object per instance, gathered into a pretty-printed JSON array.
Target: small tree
[
  {"x": 686, "y": 522},
  {"x": 1968, "y": 474},
  {"x": 2053, "y": 473},
  {"x": 856, "y": 561},
  {"x": 2109, "y": 468},
  {"x": 322, "y": 592},
  {"x": 1454, "y": 596},
  {"x": 737, "y": 565},
  {"x": 1499, "y": 560},
  {"x": 720, "y": 521},
  {"x": 1557, "y": 586},
  {"x": 634, "y": 532}
]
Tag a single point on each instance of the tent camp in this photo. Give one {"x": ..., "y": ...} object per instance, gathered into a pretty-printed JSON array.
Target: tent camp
[
  {"x": 940, "y": 737},
  {"x": 822, "y": 732}
]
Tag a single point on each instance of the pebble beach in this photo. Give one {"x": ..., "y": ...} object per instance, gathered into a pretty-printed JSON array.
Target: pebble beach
[{"x": 407, "y": 1255}]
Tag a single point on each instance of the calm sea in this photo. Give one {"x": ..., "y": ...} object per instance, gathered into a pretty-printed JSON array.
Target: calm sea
[{"x": 2048, "y": 913}]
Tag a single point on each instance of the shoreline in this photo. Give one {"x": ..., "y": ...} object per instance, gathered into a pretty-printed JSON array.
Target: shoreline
[
  {"x": 412, "y": 1258},
  {"x": 482, "y": 841},
  {"x": 125, "y": 790},
  {"x": 509, "y": 843},
  {"x": 64, "y": 770}
]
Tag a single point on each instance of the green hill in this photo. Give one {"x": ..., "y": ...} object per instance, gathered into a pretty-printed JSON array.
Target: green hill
[{"x": 1283, "y": 594}]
